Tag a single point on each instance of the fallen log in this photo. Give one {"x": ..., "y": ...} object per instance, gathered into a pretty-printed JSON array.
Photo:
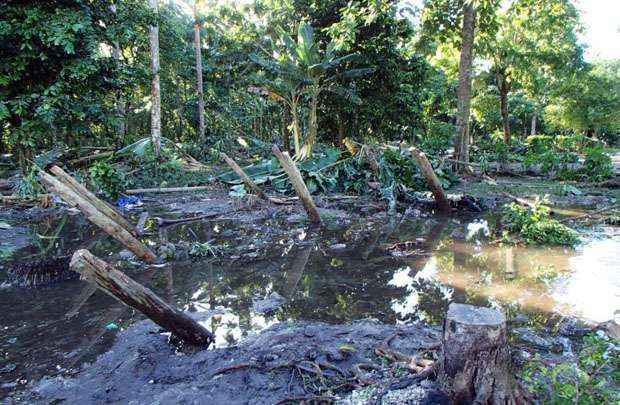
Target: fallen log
[
  {"x": 431, "y": 178},
  {"x": 166, "y": 190},
  {"x": 95, "y": 216},
  {"x": 298, "y": 184},
  {"x": 135, "y": 295},
  {"x": 90, "y": 158},
  {"x": 475, "y": 365},
  {"x": 85, "y": 193}
]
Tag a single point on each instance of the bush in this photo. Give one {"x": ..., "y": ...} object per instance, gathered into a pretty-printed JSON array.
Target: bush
[
  {"x": 597, "y": 165},
  {"x": 590, "y": 381},
  {"x": 535, "y": 226},
  {"x": 108, "y": 179}
]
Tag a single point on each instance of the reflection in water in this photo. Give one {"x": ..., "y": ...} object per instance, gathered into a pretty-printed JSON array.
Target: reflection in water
[{"x": 406, "y": 269}]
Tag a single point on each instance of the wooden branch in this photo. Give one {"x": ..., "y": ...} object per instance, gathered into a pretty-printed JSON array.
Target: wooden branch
[
  {"x": 135, "y": 295},
  {"x": 102, "y": 206},
  {"x": 86, "y": 159},
  {"x": 431, "y": 178},
  {"x": 166, "y": 190},
  {"x": 95, "y": 216},
  {"x": 246, "y": 180},
  {"x": 298, "y": 184}
]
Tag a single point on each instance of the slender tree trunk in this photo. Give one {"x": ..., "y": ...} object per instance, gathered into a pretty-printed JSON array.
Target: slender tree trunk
[
  {"x": 341, "y": 130},
  {"x": 155, "y": 95},
  {"x": 534, "y": 118},
  {"x": 504, "y": 88},
  {"x": 286, "y": 139},
  {"x": 121, "y": 129},
  {"x": 464, "y": 90},
  {"x": 312, "y": 124},
  {"x": 198, "y": 50},
  {"x": 296, "y": 127}
]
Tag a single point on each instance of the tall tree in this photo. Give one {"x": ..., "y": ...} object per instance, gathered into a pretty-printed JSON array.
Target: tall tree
[
  {"x": 199, "y": 89},
  {"x": 464, "y": 89},
  {"x": 155, "y": 92}
]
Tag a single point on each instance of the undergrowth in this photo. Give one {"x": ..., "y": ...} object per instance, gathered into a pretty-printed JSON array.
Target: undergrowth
[
  {"x": 534, "y": 225},
  {"x": 592, "y": 380}
]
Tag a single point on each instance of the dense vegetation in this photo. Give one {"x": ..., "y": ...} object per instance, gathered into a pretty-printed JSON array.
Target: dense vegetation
[{"x": 78, "y": 74}]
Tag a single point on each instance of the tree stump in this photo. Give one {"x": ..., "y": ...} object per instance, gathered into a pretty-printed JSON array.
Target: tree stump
[{"x": 475, "y": 365}]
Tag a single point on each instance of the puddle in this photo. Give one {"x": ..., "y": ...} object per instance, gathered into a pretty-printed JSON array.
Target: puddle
[{"x": 395, "y": 272}]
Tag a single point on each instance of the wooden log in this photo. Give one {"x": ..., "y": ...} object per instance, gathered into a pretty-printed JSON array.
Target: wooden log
[
  {"x": 93, "y": 199},
  {"x": 166, "y": 190},
  {"x": 98, "y": 218},
  {"x": 298, "y": 184},
  {"x": 431, "y": 178},
  {"x": 126, "y": 290},
  {"x": 89, "y": 158},
  {"x": 244, "y": 177},
  {"x": 475, "y": 365}
]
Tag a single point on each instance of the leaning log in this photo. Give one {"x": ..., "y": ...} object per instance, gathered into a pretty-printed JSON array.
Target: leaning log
[
  {"x": 135, "y": 295},
  {"x": 93, "y": 199},
  {"x": 244, "y": 177},
  {"x": 475, "y": 365},
  {"x": 298, "y": 184},
  {"x": 97, "y": 218},
  {"x": 432, "y": 179}
]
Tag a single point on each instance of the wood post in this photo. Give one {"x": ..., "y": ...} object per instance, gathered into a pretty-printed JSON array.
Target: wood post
[
  {"x": 475, "y": 365},
  {"x": 298, "y": 184},
  {"x": 431, "y": 178},
  {"x": 246, "y": 180},
  {"x": 102, "y": 206},
  {"x": 126, "y": 290},
  {"x": 95, "y": 216}
]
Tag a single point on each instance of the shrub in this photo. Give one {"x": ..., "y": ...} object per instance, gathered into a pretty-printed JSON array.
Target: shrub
[
  {"x": 108, "y": 179},
  {"x": 597, "y": 165},
  {"x": 535, "y": 226},
  {"x": 590, "y": 381}
]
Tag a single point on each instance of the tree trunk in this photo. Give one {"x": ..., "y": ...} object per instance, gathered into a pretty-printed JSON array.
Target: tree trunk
[
  {"x": 432, "y": 180},
  {"x": 504, "y": 88},
  {"x": 155, "y": 95},
  {"x": 124, "y": 289},
  {"x": 97, "y": 217},
  {"x": 244, "y": 177},
  {"x": 475, "y": 366},
  {"x": 92, "y": 198},
  {"x": 296, "y": 127},
  {"x": 121, "y": 129},
  {"x": 298, "y": 184},
  {"x": 286, "y": 139},
  {"x": 461, "y": 151},
  {"x": 312, "y": 125},
  {"x": 198, "y": 51},
  {"x": 534, "y": 118}
]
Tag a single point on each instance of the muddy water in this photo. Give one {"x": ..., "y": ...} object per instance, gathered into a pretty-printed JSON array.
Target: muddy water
[{"x": 399, "y": 270}]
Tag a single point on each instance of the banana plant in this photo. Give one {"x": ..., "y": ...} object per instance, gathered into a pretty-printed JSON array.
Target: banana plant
[{"x": 299, "y": 68}]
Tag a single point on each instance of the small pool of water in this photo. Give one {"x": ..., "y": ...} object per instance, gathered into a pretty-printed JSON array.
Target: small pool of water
[{"x": 395, "y": 271}]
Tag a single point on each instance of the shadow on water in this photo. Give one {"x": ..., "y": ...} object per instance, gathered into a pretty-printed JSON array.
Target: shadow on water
[{"x": 398, "y": 270}]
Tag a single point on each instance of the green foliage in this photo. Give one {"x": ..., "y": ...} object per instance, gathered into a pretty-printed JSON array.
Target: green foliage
[
  {"x": 29, "y": 186},
  {"x": 204, "y": 249},
  {"x": 597, "y": 165},
  {"x": 535, "y": 226},
  {"x": 593, "y": 380},
  {"x": 108, "y": 179}
]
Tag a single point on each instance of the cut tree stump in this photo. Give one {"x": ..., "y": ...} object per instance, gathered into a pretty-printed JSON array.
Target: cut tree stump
[
  {"x": 432, "y": 179},
  {"x": 135, "y": 295},
  {"x": 298, "y": 184},
  {"x": 93, "y": 199},
  {"x": 475, "y": 366},
  {"x": 97, "y": 217}
]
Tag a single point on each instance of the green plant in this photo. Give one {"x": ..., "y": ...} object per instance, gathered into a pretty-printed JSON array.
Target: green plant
[
  {"x": 535, "y": 226},
  {"x": 592, "y": 380},
  {"x": 108, "y": 179},
  {"x": 204, "y": 249},
  {"x": 29, "y": 186},
  {"x": 597, "y": 165}
]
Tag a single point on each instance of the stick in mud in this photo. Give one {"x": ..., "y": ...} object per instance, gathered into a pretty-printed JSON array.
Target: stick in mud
[
  {"x": 431, "y": 178},
  {"x": 92, "y": 198},
  {"x": 95, "y": 216},
  {"x": 135, "y": 295},
  {"x": 298, "y": 184}
]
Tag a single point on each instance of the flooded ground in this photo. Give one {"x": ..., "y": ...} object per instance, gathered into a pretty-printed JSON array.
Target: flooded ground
[{"x": 393, "y": 269}]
